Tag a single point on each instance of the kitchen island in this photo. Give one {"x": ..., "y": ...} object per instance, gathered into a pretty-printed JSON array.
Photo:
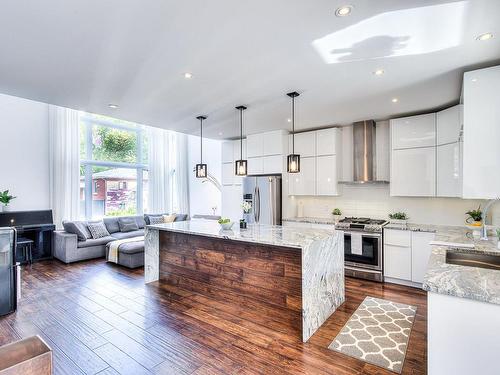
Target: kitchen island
[{"x": 293, "y": 276}]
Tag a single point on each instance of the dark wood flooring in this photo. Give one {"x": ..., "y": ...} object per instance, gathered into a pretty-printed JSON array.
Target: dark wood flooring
[{"x": 101, "y": 319}]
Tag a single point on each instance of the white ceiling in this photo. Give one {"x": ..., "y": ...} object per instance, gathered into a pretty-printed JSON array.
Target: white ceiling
[{"x": 85, "y": 54}]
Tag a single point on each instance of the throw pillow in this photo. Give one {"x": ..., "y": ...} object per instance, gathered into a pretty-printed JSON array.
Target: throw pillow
[
  {"x": 98, "y": 229},
  {"x": 127, "y": 224},
  {"x": 77, "y": 227},
  {"x": 169, "y": 218},
  {"x": 156, "y": 220},
  {"x": 181, "y": 217}
]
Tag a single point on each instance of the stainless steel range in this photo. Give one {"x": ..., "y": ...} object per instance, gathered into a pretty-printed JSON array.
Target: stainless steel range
[{"x": 363, "y": 247}]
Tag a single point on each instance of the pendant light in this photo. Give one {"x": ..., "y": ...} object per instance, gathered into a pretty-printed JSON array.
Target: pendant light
[
  {"x": 201, "y": 169},
  {"x": 293, "y": 160},
  {"x": 240, "y": 167}
]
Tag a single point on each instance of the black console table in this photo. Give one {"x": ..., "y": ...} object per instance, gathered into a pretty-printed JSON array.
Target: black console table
[{"x": 37, "y": 226}]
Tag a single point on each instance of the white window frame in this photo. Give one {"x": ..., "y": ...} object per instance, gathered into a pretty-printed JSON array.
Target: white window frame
[{"x": 88, "y": 121}]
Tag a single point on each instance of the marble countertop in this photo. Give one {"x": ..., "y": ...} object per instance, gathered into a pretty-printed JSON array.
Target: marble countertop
[
  {"x": 461, "y": 281},
  {"x": 312, "y": 220},
  {"x": 275, "y": 235}
]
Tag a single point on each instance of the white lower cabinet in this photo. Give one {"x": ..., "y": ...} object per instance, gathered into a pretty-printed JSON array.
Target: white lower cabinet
[
  {"x": 304, "y": 182},
  {"x": 326, "y": 175},
  {"x": 406, "y": 256}
]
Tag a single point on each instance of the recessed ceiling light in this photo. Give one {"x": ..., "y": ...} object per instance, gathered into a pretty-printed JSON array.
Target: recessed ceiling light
[
  {"x": 485, "y": 36},
  {"x": 379, "y": 72},
  {"x": 395, "y": 100},
  {"x": 220, "y": 133},
  {"x": 474, "y": 79},
  {"x": 188, "y": 75},
  {"x": 289, "y": 120},
  {"x": 113, "y": 106},
  {"x": 343, "y": 11}
]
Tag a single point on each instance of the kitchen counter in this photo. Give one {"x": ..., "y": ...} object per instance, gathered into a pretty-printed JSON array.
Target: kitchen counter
[
  {"x": 460, "y": 281},
  {"x": 293, "y": 274},
  {"x": 311, "y": 220}
]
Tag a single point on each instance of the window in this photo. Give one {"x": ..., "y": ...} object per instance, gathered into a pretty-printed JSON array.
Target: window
[{"x": 113, "y": 167}]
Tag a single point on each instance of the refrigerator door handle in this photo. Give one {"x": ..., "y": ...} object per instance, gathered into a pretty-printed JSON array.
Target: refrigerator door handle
[
  {"x": 258, "y": 204},
  {"x": 255, "y": 202},
  {"x": 271, "y": 196}
]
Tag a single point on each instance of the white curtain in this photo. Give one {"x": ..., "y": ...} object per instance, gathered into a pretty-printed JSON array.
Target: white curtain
[
  {"x": 64, "y": 158},
  {"x": 168, "y": 179}
]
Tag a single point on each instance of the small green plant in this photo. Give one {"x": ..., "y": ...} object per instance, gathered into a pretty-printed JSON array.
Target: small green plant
[
  {"x": 6, "y": 198},
  {"x": 336, "y": 211},
  {"x": 224, "y": 220},
  {"x": 475, "y": 215},
  {"x": 398, "y": 216},
  {"x": 498, "y": 233}
]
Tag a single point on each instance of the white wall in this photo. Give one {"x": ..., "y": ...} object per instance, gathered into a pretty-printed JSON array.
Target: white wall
[
  {"x": 374, "y": 201},
  {"x": 204, "y": 196},
  {"x": 24, "y": 152}
]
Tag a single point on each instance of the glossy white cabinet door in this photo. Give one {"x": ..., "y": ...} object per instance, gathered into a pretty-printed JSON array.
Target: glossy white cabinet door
[
  {"x": 449, "y": 182},
  {"x": 227, "y": 152},
  {"x": 448, "y": 125},
  {"x": 304, "y": 182},
  {"x": 397, "y": 262},
  {"x": 481, "y": 177},
  {"x": 413, "y": 172},
  {"x": 254, "y": 145},
  {"x": 327, "y": 141},
  {"x": 305, "y": 144},
  {"x": 272, "y": 164},
  {"x": 255, "y": 166},
  {"x": 414, "y": 131},
  {"x": 272, "y": 143},
  {"x": 383, "y": 151},
  {"x": 227, "y": 173},
  {"x": 237, "y": 149},
  {"x": 326, "y": 175},
  {"x": 420, "y": 253}
]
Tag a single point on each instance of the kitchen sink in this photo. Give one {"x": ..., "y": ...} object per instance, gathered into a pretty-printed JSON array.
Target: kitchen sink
[{"x": 462, "y": 258}]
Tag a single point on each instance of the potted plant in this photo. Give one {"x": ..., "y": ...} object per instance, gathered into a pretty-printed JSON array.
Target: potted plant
[
  {"x": 475, "y": 217},
  {"x": 247, "y": 207},
  {"x": 5, "y": 199},
  {"x": 225, "y": 223},
  {"x": 243, "y": 224},
  {"x": 336, "y": 215},
  {"x": 398, "y": 218}
]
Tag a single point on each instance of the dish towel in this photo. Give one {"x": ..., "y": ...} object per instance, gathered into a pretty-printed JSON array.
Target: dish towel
[
  {"x": 114, "y": 245},
  {"x": 356, "y": 244}
]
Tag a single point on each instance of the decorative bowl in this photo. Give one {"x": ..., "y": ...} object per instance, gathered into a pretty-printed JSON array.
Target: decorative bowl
[{"x": 227, "y": 226}]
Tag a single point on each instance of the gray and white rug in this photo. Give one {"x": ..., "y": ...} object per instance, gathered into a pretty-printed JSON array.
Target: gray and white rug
[{"x": 378, "y": 333}]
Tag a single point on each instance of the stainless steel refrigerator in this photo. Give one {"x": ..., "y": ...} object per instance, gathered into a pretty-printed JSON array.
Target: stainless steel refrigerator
[
  {"x": 9, "y": 275},
  {"x": 264, "y": 194}
]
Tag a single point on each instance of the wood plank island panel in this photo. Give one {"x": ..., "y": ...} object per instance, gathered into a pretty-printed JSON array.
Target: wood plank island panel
[
  {"x": 218, "y": 269},
  {"x": 295, "y": 277}
]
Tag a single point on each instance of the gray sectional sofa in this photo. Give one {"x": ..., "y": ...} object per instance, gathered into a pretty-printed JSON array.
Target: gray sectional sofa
[{"x": 75, "y": 243}]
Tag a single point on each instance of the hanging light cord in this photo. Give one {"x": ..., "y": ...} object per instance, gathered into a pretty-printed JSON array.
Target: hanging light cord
[
  {"x": 293, "y": 124},
  {"x": 201, "y": 141},
  {"x": 241, "y": 133}
]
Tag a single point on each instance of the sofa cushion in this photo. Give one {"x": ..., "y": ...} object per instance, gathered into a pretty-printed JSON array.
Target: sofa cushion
[
  {"x": 140, "y": 221},
  {"x": 181, "y": 217},
  {"x": 132, "y": 247},
  {"x": 127, "y": 224},
  {"x": 169, "y": 218},
  {"x": 156, "y": 220},
  {"x": 122, "y": 235},
  {"x": 98, "y": 229},
  {"x": 112, "y": 224},
  {"x": 77, "y": 227},
  {"x": 95, "y": 242}
]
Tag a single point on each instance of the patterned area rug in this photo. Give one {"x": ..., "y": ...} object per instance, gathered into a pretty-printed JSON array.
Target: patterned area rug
[{"x": 378, "y": 333}]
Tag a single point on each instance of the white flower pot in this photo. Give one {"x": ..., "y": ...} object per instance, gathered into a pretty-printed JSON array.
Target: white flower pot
[
  {"x": 398, "y": 221},
  {"x": 498, "y": 245},
  {"x": 336, "y": 218},
  {"x": 5, "y": 208}
]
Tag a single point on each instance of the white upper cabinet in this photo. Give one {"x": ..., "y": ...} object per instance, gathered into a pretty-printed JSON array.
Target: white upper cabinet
[
  {"x": 449, "y": 170},
  {"x": 254, "y": 145},
  {"x": 481, "y": 160},
  {"x": 304, "y": 182},
  {"x": 326, "y": 175},
  {"x": 255, "y": 166},
  {"x": 274, "y": 143},
  {"x": 413, "y": 172},
  {"x": 449, "y": 124},
  {"x": 327, "y": 141},
  {"x": 305, "y": 144},
  {"x": 237, "y": 148},
  {"x": 382, "y": 151},
  {"x": 227, "y": 152},
  {"x": 414, "y": 131}
]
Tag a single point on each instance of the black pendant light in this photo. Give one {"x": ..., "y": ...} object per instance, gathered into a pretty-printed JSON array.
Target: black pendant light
[
  {"x": 201, "y": 169},
  {"x": 240, "y": 167},
  {"x": 293, "y": 160}
]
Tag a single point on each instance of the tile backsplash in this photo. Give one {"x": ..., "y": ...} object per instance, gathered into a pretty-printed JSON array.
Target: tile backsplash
[{"x": 374, "y": 201}]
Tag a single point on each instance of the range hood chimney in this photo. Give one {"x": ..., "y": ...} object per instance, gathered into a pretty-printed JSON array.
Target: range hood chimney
[{"x": 364, "y": 165}]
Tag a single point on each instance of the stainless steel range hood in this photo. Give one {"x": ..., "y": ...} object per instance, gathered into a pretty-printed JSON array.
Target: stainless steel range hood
[{"x": 364, "y": 154}]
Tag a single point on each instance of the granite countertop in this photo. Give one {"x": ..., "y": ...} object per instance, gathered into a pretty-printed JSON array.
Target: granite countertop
[
  {"x": 461, "y": 281},
  {"x": 275, "y": 235},
  {"x": 312, "y": 220}
]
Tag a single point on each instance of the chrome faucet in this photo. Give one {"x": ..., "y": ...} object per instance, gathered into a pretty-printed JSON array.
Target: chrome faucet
[{"x": 484, "y": 214}]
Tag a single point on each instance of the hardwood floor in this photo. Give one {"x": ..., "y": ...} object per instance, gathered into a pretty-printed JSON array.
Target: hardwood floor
[{"x": 101, "y": 319}]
